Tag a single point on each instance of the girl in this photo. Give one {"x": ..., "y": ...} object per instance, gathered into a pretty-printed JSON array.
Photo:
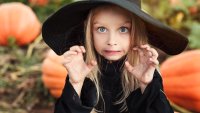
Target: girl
[{"x": 112, "y": 69}]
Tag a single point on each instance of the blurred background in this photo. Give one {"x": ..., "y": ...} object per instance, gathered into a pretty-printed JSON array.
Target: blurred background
[{"x": 32, "y": 76}]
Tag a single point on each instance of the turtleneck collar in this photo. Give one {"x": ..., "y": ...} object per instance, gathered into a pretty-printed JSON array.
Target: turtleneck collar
[{"x": 109, "y": 68}]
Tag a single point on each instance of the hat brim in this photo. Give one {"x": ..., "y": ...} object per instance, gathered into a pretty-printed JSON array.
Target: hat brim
[{"x": 65, "y": 27}]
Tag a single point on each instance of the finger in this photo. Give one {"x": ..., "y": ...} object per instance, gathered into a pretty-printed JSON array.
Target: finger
[
  {"x": 68, "y": 53},
  {"x": 128, "y": 66},
  {"x": 92, "y": 64},
  {"x": 83, "y": 49},
  {"x": 154, "y": 53},
  {"x": 147, "y": 49},
  {"x": 145, "y": 46},
  {"x": 146, "y": 53},
  {"x": 141, "y": 55},
  {"x": 66, "y": 62},
  {"x": 149, "y": 53},
  {"x": 155, "y": 62},
  {"x": 141, "y": 52},
  {"x": 135, "y": 48},
  {"x": 76, "y": 48}
]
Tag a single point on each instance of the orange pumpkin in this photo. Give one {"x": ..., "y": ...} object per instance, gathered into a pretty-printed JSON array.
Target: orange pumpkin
[
  {"x": 18, "y": 21},
  {"x": 181, "y": 79},
  {"x": 39, "y": 2},
  {"x": 54, "y": 73}
]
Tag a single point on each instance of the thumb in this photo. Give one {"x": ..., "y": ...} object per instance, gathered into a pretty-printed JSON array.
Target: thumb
[{"x": 92, "y": 64}]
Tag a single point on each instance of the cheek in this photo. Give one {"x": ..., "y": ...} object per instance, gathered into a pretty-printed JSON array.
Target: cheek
[
  {"x": 125, "y": 41},
  {"x": 127, "y": 47},
  {"x": 98, "y": 47},
  {"x": 98, "y": 42},
  {"x": 99, "y": 39}
]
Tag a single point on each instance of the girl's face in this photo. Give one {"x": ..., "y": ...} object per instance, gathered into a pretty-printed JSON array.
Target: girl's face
[{"x": 111, "y": 33}]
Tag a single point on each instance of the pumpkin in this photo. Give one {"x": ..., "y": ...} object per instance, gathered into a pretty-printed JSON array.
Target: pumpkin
[
  {"x": 181, "y": 79},
  {"x": 18, "y": 21},
  {"x": 39, "y": 2},
  {"x": 54, "y": 73}
]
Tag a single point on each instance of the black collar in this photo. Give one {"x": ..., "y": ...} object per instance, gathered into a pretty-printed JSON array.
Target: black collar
[{"x": 110, "y": 68}]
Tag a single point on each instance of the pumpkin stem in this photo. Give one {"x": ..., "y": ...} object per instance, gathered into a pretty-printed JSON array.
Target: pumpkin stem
[{"x": 12, "y": 42}]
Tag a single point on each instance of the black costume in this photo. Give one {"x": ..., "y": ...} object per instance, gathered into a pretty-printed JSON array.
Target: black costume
[
  {"x": 65, "y": 28},
  {"x": 153, "y": 100}
]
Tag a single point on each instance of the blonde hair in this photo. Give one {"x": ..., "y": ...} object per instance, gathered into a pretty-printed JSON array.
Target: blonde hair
[{"x": 138, "y": 37}]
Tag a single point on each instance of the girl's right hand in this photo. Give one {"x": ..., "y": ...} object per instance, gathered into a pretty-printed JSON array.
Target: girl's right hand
[{"x": 75, "y": 64}]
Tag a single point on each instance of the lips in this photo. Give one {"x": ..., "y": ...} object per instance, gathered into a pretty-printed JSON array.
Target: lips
[{"x": 111, "y": 52}]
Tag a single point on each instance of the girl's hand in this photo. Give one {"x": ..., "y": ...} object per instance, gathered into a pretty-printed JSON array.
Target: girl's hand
[
  {"x": 144, "y": 70},
  {"x": 75, "y": 65}
]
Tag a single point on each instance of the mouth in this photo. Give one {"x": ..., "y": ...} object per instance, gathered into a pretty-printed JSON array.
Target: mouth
[{"x": 111, "y": 52}]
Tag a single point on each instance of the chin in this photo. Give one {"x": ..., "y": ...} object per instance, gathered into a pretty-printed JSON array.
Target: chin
[{"x": 113, "y": 58}]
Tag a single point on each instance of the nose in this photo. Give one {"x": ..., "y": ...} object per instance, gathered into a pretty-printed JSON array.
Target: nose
[{"x": 112, "y": 39}]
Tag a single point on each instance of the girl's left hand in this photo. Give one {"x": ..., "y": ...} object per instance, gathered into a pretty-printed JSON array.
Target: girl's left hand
[{"x": 144, "y": 70}]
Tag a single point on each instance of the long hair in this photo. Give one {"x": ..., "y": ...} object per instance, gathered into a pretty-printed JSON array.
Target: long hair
[{"x": 137, "y": 37}]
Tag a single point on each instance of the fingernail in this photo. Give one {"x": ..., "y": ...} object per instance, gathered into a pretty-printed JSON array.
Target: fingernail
[{"x": 135, "y": 48}]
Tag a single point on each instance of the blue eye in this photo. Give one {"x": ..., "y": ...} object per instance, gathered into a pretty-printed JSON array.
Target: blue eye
[
  {"x": 101, "y": 29},
  {"x": 124, "y": 29}
]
